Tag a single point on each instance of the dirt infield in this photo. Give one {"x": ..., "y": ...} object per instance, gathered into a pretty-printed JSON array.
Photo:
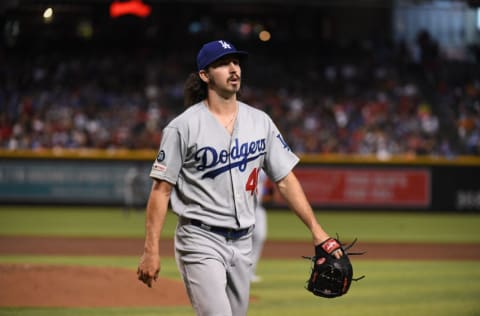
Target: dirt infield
[
  {"x": 77, "y": 286},
  {"x": 69, "y": 286}
]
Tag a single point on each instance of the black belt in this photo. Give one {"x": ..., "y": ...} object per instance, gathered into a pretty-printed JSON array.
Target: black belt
[{"x": 228, "y": 233}]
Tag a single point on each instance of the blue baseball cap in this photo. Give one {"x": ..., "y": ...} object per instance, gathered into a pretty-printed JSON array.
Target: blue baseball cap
[{"x": 215, "y": 50}]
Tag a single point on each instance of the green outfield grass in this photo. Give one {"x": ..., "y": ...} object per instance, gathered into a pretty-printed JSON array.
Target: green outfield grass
[
  {"x": 391, "y": 288},
  {"x": 282, "y": 225}
]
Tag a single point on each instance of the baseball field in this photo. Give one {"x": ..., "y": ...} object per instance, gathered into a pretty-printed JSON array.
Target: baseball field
[{"x": 82, "y": 261}]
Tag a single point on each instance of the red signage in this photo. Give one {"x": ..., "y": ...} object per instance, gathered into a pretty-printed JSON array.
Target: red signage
[
  {"x": 134, "y": 7},
  {"x": 365, "y": 187}
]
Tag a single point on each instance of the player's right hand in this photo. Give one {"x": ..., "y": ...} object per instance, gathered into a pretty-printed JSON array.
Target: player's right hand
[{"x": 148, "y": 269}]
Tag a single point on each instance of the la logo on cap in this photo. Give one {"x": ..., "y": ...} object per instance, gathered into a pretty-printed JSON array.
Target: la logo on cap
[{"x": 225, "y": 45}]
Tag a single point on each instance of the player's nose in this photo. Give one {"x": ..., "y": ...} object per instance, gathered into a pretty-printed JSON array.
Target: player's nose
[{"x": 233, "y": 66}]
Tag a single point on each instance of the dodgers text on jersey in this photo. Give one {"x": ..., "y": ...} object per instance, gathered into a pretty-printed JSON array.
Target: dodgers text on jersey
[{"x": 218, "y": 162}]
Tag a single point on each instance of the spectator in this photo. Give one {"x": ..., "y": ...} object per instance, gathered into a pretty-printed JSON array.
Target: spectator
[{"x": 378, "y": 108}]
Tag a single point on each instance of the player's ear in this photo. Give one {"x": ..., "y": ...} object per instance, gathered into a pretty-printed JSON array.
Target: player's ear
[{"x": 204, "y": 76}]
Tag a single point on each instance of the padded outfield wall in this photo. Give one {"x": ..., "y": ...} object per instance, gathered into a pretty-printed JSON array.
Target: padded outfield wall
[{"x": 95, "y": 177}]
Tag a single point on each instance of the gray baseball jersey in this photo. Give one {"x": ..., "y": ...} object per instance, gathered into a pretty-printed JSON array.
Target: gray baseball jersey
[{"x": 216, "y": 174}]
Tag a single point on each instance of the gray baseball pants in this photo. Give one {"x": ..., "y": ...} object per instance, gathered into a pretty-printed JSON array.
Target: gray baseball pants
[{"x": 215, "y": 270}]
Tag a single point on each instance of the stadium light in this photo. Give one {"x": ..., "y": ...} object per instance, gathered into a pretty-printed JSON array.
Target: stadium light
[
  {"x": 47, "y": 15},
  {"x": 264, "y": 36}
]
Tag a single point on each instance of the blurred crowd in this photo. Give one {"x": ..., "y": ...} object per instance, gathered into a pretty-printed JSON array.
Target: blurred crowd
[{"x": 385, "y": 100}]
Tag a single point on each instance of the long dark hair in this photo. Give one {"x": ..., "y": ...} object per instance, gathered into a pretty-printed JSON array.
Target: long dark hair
[{"x": 194, "y": 90}]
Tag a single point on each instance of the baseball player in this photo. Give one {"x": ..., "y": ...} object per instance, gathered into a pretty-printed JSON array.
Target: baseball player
[
  {"x": 207, "y": 167},
  {"x": 260, "y": 230},
  {"x": 133, "y": 189}
]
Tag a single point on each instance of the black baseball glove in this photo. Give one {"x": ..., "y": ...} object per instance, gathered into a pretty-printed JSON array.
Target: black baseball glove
[{"x": 331, "y": 277}]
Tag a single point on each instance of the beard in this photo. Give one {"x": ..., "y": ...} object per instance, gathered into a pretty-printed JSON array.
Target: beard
[{"x": 227, "y": 88}]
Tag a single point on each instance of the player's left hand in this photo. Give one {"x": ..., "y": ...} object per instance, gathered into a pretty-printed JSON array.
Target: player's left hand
[{"x": 332, "y": 271}]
